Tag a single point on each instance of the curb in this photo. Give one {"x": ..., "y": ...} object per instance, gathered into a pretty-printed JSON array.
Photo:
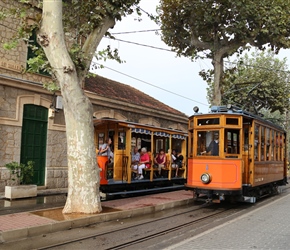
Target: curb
[
  {"x": 43, "y": 192},
  {"x": 56, "y": 226}
]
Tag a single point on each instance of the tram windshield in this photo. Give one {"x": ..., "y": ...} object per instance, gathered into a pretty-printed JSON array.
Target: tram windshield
[
  {"x": 208, "y": 142},
  {"x": 232, "y": 141}
]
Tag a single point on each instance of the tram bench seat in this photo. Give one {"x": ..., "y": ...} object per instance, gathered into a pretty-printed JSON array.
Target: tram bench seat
[
  {"x": 172, "y": 170},
  {"x": 134, "y": 172},
  {"x": 182, "y": 169}
]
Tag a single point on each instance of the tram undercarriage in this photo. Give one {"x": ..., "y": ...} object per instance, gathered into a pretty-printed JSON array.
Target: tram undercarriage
[
  {"x": 119, "y": 188},
  {"x": 246, "y": 194}
]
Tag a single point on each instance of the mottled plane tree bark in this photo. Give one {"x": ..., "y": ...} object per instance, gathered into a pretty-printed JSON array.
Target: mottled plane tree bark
[{"x": 92, "y": 19}]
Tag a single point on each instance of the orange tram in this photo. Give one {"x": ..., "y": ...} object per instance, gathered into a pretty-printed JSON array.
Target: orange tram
[
  {"x": 117, "y": 177},
  {"x": 234, "y": 155}
]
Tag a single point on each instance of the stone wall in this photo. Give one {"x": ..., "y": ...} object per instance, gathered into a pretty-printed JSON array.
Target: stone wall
[
  {"x": 9, "y": 151},
  {"x": 56, "y": 157},
  {"x": 9, "y": 144},
  {"x": 13, "y": 61},
  {"x": 56, "y": 177},
  {"x": 56, "y": 160}
]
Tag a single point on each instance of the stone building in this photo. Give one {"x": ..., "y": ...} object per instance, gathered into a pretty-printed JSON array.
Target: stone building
[{"x": 29, "y": 130}]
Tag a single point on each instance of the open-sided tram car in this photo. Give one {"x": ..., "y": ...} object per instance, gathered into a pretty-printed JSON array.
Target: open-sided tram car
[
  {"x": 118, "y": 179},
  {"x": 250, "y": 160}
]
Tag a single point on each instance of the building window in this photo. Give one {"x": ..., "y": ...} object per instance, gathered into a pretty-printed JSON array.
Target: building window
[{"x": 36, "y": 57}]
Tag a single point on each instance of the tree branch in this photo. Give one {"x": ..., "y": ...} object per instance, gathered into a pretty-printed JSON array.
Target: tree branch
[
  {"x": 93, "y": 40},
  {"x": 198, "y": 44}
]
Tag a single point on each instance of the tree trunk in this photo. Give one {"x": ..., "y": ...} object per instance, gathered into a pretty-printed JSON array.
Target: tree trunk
[
  {"x": 83, "y": 173},
  {"x": 218, "y": 65}
]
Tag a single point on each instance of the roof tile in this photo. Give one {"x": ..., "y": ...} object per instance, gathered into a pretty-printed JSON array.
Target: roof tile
[{"x": 123, "y": 92}]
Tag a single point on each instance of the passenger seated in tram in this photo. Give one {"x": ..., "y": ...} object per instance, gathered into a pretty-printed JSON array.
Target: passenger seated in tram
[
  {"x": 160, "y": 160},
  {"x": 143, "y": 163},
  {"x": 135, "y": 159},
  {"x": 177, "y": 159}
]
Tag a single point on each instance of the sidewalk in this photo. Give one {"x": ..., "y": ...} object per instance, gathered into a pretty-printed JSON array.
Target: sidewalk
[
  {"x": 267, "y": 227},
  {"x": 27, "y": 224}
]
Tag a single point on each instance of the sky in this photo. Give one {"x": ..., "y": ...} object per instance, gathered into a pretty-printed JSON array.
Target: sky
[
  {"x": 158, "y": 73},
  {"x": 175, "y": 81}
]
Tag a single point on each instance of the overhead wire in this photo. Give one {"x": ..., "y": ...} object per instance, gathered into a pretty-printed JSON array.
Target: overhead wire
[
  {"x": 168, "y": 50},
  {"x": 136, "y": 31},
  {"x": 150, "y": 84},
  {"x": 140, "y": 44}
]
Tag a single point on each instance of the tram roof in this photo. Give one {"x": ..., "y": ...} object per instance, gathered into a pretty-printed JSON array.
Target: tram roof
[
  {"x": 238, "y": 111},
  {"x": 138, "y": 126}
]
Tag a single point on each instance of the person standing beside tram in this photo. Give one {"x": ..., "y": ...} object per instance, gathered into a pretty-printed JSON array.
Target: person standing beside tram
[{"x": 105, "y": 150}]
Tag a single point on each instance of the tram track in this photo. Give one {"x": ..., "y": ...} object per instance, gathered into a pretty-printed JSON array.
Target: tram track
[
  {"x": 165, "y": 232},
  {"x": 148, "y": 224},
  {"x": 146, "y": 231},
  {"x": 202, "y": 214}
]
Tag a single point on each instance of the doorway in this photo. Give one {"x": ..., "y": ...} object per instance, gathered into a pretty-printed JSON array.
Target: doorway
[{"x": 33, "y": 140}]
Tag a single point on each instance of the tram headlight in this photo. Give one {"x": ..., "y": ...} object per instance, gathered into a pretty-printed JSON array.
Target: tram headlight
[{"x": 205, "y": 178}]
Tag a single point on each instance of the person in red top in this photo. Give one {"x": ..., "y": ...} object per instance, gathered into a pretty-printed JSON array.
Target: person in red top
[
  {"x": 160, "y": 160},
  {"x": 143, "y": 163}
]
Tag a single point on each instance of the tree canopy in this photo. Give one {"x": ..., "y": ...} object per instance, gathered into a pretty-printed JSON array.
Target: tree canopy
[
  {"x": 69, "y": 33},
  {"x": 83, "y": 26},
  {"x": 217, "y": 29},
  {"x": 255, "y": 82}
]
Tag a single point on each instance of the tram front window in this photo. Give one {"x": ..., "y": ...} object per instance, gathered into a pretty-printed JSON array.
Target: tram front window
[
  {"x": 232, "y": 141},
  {"x": 208, "y": 143}
]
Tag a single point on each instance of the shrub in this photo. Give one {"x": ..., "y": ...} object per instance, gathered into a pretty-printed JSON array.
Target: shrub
[{"x": 22, "y": 172}]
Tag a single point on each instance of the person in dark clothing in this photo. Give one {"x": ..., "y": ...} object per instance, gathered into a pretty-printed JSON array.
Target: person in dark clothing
[
  {"x": 177, "y": 159},
  {"x": 213, "y": 147}
]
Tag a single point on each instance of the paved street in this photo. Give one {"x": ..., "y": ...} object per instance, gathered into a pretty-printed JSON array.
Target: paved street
[{"x": 265, "y": 228}]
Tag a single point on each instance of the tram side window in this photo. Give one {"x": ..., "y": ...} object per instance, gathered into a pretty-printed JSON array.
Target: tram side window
[
  {"x": 268, "y": 145},
  {"x": 277, "y": 146},
  {"x": 121, "y": 140},
  {"x": 142, "y": 140},
  {"x": 208, "y": 121},
  {"x": 232, "y": 141},
  {"x": 282, "y": 146},
  {"x": 159, "y": 145},
  {"x": 263, "y": 158},
  {"x": 101, "y": 139},
  {"x": 257, "y": 142},
  {"x": 208, "y": 142},
  {"x": 190, "y": 143},
  {"x": 176, "y": 144},
  {"x": 246, "y": 139},
  {"x": 273, "y": 145}
]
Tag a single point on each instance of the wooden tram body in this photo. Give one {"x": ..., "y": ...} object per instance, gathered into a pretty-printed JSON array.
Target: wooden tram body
[
  {"x": 251, "y": 160},
  {"x": 118, "y": 179}
]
